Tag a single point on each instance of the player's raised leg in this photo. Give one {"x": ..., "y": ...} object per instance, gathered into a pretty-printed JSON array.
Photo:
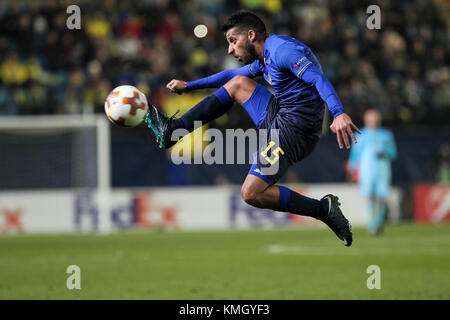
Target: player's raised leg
[
  {"x": 239, "y": 89},
  {"x": 258, "y": 193}
]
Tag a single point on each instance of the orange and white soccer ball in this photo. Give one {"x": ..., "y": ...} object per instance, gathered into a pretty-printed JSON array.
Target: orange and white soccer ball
[{"x": 126, "y": 106}]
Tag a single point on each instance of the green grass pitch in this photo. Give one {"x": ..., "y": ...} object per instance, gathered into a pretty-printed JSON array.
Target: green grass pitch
[{"x": 306, "y": 263}]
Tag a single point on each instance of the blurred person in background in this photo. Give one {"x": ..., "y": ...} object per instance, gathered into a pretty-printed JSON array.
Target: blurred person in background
[{"x": 371, "y": 157}]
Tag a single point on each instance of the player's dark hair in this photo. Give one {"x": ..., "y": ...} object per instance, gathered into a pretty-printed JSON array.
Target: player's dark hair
[{"x": 245, "y": 20}]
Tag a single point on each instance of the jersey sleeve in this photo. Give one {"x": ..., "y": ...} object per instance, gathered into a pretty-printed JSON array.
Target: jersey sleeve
[
  {"x": 294, "y": 60},
  {"x": 326, "y": 91},
  {"x": 219, "y": 79}
]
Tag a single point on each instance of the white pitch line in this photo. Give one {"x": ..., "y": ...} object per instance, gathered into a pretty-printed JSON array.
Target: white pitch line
[{"x": 302, "y": 250}]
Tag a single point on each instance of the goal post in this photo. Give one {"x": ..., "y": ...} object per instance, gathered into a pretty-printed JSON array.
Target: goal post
[{"x": 44, "y": 146}]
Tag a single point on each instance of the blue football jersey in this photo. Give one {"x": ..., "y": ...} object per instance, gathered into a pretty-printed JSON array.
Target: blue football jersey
[{"x": 285, "y": 60}]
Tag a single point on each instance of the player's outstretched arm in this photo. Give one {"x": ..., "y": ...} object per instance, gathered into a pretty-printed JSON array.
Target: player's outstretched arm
[{"x": 214, "y": 81}]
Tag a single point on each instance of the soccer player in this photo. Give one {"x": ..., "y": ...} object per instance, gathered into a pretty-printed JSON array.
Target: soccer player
[
  {"x": 295, "y": 111},
  {"x": 372, "y": 157}
]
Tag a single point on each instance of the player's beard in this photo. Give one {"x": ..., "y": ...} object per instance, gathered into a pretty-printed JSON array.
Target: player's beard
[{"x": 250, "y": 53}]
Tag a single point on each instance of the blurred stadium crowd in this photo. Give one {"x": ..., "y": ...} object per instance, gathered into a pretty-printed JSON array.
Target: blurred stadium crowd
[{"x": 402, "y": 69}]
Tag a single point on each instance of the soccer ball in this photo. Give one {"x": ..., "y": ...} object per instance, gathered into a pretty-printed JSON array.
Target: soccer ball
[{"x": 126, "y": 106}]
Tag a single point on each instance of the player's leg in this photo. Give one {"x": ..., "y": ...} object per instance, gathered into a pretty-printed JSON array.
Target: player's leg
[
  {"x": 379, "y": 215},
  {"x": 370, "y": 211},
  {"x": 238, "y": 89},
  {"x": 367, "y": 188},
  {"x": 258, "y": 193},
  {"x": 381, "y": 193},
  {"x": 259, "y": 189}
]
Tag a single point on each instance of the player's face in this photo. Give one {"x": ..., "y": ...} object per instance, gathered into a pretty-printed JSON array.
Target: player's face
[{"x": 240, "y": 46}]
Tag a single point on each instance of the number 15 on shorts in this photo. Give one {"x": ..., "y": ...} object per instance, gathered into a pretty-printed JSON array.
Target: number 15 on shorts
[{"x": 275, "y": 153}]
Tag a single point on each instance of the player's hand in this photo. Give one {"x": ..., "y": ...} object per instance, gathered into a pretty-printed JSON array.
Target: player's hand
[
  {"x": 343, "y": 127},
  {"x": 177, "y": 86}
]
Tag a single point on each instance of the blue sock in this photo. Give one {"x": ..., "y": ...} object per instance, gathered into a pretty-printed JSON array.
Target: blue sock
[
  {"x": 223, "y": 96},
  {"x": 210, "y": 108},
  {"x": 284, "y": 199},
  {"x": 293, "y": 202}
]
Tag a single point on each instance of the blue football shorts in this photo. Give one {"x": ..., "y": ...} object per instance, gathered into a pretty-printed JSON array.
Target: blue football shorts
[{"x": 281, "y": 144}]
